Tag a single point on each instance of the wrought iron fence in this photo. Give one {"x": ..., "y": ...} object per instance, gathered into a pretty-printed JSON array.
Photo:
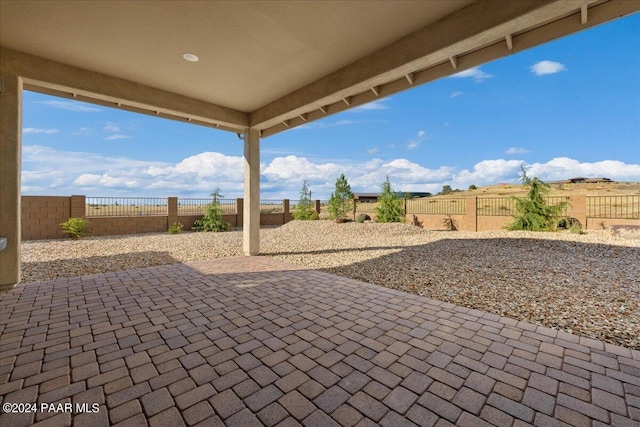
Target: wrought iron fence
[
  {"x": 556, "y": 200},
  {"x": 506, "y": 206},
  {"x": 496, "y": 206},
  {"x": 437, "y": 206},
  {"x": 190, "y": 206},
  {"x": 271, "y": 206},
  {"x": 125, "y": 206},
  {"x": 365, "y": 207},
  {"x": 613, "y": 207}
]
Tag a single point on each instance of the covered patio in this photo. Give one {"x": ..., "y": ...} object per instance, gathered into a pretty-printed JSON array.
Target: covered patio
[
  {"x": 252, "y": 341},
  {"x": 249, "y": 340},
  {"x": 252, "y": 68}
]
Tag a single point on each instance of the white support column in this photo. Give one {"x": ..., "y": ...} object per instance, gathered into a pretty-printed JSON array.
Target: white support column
[
  {"x": 251, "y": 226},
  {"x": 10, "y": 164}
]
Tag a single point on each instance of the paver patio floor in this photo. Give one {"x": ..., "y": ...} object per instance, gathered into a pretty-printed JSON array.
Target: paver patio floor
[{"x": 253, "y": 341}]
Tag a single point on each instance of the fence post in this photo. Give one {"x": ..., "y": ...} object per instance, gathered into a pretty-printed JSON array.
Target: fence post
[
  {"x": 172, "y": 211},
  {"x": 355, "y": 208},
  {"x": 316, "y": 205},
  {"x": 470, "y": 222},
  {"x": 578, "y": 209},
  {"x": 78, "y": 207},
  {"x": 239, "y": 212},
  {"x": 285, "y": 210}
]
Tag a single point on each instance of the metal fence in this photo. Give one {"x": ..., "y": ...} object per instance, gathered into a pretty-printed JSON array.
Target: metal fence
[
  {"x": 614, "y": 207},
  {"x": 432, "y": 206},
  {"x": 125, "y": 206},
  {"x": 496, "y": 206},
  {"x": 189, "y": 206},
  {"x": 271, "y": 206},
  {"x": 365, "y": 207}
]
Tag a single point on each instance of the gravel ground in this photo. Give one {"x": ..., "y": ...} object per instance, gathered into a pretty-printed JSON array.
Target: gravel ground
[{"x": 587, "y": 284}]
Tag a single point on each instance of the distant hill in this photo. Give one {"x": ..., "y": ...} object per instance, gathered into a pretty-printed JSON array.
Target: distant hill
[{"x": 560, "y": 189}]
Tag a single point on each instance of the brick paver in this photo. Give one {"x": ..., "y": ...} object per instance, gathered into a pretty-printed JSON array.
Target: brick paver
[{"x": 253, "y": 341}]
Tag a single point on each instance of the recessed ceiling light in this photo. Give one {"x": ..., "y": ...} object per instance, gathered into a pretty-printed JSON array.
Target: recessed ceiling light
[{"x": 190, "y": 57}]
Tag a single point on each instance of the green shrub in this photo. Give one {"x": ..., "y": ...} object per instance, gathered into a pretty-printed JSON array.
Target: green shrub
[
  {"x": 176, "y": 228},
  {"x": 212, "y": 220},
  {"x": 341, "y": 201},
  {"x": 76, "y": 227},
  {"x": 304, "y": 210},
  {"x": 576, "y": 228},
  {"x": 362, "y": 218},
  {"x": 390, "y": 207},
  {"x": 532, "y": 211}
]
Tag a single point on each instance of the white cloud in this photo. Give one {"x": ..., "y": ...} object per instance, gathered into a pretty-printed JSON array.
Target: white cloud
[
  {"x": 564, "y": 167},
  {"x": 84, "y": 131},
  {"x": 415, "y": 142},
  {"x": 49, "y": 171},
  {"x": 456, "y": 94},
  {"x": 475, "y": 73},
  {"x": 111, "y": 127},
  {"x": 299, "y": 168},
  {"x": 38, "y": 130},
  {"x": 117, "y": 136},
  {"x": 374, "y": 150},
  {"x": 516, "y": 150},
  {"x": 547, "y": 67},
  {"x": 71, "y": 106}
]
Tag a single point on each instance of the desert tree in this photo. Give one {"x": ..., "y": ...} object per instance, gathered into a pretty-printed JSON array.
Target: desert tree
[
  {"x": 304, "y": 209},
  {"x": 532, "y": 211},
  {"x": 390, "y": 206},
  {"x": 212, "y": 220},
  {"x": 341, "y": 200}
]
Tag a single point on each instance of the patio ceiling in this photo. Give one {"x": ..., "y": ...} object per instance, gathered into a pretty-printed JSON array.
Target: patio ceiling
[{"x": 268, "y": 65}]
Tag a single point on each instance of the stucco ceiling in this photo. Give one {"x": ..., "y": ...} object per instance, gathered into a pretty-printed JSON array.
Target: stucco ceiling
[
  {"x": 251, "y": 52},
  {"x": 269, "y": 64}
]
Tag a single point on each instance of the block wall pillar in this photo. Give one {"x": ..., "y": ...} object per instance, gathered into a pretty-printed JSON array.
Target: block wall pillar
[
  {"x": 78, "y": 206},
  {"x": 239, "y": 212},
  {"x": 470, "y": 222},
  {"x": 172, "y": 211},
  {"x": 578, "y": 209}
]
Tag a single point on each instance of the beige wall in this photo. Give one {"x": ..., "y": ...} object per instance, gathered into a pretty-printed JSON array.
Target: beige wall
[
  {"x": 606, "y": 223},
  {"x": 115, "y": 225},
  {"x": 42, "y": 215},
  {"x": 486, "y": 223},
  {"x": 435, "y": 222}
]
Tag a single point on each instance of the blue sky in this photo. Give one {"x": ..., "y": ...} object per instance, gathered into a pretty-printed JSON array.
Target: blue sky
[{"x": 568, "y": 108}]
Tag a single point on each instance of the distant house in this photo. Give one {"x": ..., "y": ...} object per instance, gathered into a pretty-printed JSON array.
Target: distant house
[
  {"x": 581, "y": 180},
  {"x": 372, "y": 197}
]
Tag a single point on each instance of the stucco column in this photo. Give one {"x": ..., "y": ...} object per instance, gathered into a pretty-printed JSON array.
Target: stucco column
[
  {"x": 10, "y": 159},
  {"x": 251, "y": 208}
]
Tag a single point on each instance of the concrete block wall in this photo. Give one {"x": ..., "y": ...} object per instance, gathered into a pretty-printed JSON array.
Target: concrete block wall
[
  {"x": 42, "y": 215},
  {"x": 116, "y": 225}
]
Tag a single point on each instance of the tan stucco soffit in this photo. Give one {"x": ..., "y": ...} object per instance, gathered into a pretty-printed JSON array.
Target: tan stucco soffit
[
  {"x": 51, "y": 77},
  {"x": 481, "y": 32}
]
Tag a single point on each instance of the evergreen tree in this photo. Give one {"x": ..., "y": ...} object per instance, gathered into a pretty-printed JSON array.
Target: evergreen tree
[
  {"x": 446, "y": 189},
  {"x": 390, "y": 207},
  {"x": 212, "y": 220},
  {"x": 532, "y": 211},
  {"x": 304, "y": 209},
  {"x": 341, "y": 201}
]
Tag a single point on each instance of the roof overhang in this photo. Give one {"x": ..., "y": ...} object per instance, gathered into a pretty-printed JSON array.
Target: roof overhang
[{"x": 271, "y": 65}]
